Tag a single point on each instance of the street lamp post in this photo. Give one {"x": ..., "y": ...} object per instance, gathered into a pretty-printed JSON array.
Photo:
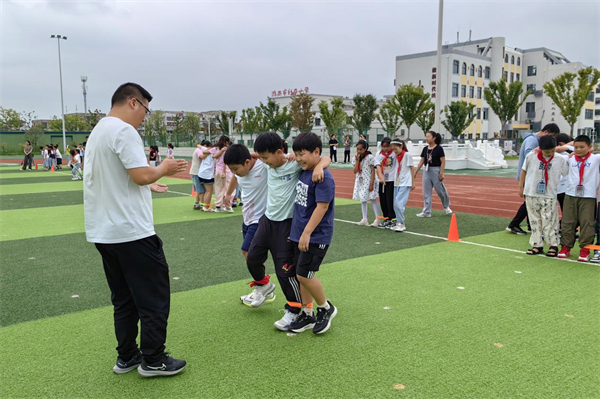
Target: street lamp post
[{"x": 62, "y": 107}]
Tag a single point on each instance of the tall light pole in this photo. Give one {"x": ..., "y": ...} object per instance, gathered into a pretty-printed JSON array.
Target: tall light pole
[
  {"x": 438, "y": 97},
  {"x": 62, "y": 107}
]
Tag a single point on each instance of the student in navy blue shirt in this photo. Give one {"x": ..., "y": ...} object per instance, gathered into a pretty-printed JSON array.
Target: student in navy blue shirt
[{"x": 311, "y": 233}]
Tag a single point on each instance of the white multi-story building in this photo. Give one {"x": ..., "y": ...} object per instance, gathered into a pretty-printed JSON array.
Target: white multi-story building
[{"x": 468, "y": 68}]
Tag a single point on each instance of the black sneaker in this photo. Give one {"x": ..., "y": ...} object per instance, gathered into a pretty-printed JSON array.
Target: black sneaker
[
  {"x": 302, "y": 323},
  {"x": 165, "y": 367},
  {"x": 517, "y": 230},
  {"x": 123, "y": 367},
  {"x": 384, "y": 224},
  {"x": 324, "y": 317}
]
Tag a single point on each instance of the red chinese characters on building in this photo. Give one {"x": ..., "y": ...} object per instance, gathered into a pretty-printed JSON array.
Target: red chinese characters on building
[
  {"x": 289, "y": 92},
  {"x": 433, "y": 82}
]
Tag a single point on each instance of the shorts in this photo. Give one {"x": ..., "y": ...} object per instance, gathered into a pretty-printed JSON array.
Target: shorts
[
  {"x": 207, "y": 181},
  {"x": 307, "y": 263},
  {"x": 198, "y": 186},
  {"x": 248, "y": 234},
  {"x": 59, "y": 161}
]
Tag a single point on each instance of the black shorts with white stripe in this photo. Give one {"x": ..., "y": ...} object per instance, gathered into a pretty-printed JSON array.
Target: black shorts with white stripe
[{"x": 307, "y": 263}]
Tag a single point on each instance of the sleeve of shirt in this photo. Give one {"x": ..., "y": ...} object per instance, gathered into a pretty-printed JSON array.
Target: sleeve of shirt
[
  {"x": 441, "y": 151},
  {"x": 377, "y": 160},
  {"x": 424, "y": 152},
  {"x": 564, "y": 170},
  {"x": 130, "y": 149},
  {"x": 527, "y": 162},
  {"x": 325, "y": 192},
  {"x": 409, "y": 160}
]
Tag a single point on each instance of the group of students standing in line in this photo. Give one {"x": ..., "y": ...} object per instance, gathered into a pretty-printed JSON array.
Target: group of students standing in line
[
  {"x": 52, "y": 158},
  {"x": 554, "y": 171}
]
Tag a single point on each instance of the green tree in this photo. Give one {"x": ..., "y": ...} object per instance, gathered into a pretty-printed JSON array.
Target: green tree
[
  {"x": 94, "y": 117},
  {"x": 301, "y": 112},
  {"x": 155, "y": 126},
  {"x": 568, "y": 98},
  {"x": 503, "y": 99},
  {"x": 223, "y": 120},
  {"x": 411, "y": 102},
  {"x": 459, "y": 115},
  {"x": 426, "y": 120},
  {"x": 336, "y": 119},
  {"x": 191, "y": 124},
  {"x": 27, "y": 119},
  {"x": 252, "y": 122},
  {"x": 35, "y": 134},
  {"x": 73, "y": 123},
  {"x": 274, "y": 118},
  {"x": 389, "y": 118},
  {"x": 364, "y": 112},
  {"x": 10, "y": 119}
]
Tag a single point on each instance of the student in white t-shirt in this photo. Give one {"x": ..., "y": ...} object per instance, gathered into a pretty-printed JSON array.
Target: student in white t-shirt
[
  {"x": 403, "y": 181},
  {"x": 539, "y": 180},
  {"x": 118, "y": 220},
  {"x": 206, "y": 174},
  {"x": 75, "y": 164}
]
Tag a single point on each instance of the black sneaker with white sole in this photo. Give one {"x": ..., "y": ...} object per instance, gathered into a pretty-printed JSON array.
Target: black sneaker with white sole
[
  {"x": 517, "y": 230},
  {"x": 324, "y": 317},
  {"x": 165, "y": 367},
  {"x": 123, "y": 367},
  {"x": 302, "y": 323}
]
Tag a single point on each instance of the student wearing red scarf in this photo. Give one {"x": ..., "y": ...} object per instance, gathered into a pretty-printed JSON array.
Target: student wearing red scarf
[
  {"x": 386, "y": 174},
  {"x": 403, "y": 183},
  {"x": 580, "y": 199},
  {"x": 540, "y": 176}
]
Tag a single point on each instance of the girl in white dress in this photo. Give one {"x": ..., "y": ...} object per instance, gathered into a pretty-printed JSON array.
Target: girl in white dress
[{"x": 365, "y": 186}]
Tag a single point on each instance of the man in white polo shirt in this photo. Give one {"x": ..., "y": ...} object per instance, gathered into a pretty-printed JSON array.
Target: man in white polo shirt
[{"x": 118, "y": 220}]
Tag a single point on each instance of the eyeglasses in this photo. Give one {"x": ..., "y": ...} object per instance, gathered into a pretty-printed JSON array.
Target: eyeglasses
[{"x": 148, "y": 112}]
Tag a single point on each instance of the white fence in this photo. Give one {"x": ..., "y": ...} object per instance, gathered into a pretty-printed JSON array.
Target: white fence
[{"x": 484, "y": 155}]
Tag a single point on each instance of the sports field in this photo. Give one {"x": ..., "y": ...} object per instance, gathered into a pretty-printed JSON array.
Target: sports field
[{"x": 419, "y": 316}]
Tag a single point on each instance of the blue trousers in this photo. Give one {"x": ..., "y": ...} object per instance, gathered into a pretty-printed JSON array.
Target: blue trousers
[{"x": 400, "y": 200}]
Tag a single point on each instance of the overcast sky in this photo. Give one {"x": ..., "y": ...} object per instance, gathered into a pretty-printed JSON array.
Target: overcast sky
[{"x": 202, "y": 56}]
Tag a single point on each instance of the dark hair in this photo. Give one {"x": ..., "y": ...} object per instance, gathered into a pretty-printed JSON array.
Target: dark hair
[
  {"x": 563, "y": 138},
  {"x": 551, "y": 128},
  {"x": 169, "y": 145},
  {"x": 437, "y": 138},
  {"x": 547, "y": 142},
  {"x": 308, "y": 141},
  {"x": 268, "y": 142},
  {"x": 582, "y": 139},
  {"x": 285, "y": 147},
  {"x": 55, "y": 145},
  {"x": 386, "y": 140},
  {"x": 363, "y": 143},
  {"x": 73, "y": 153},
  {"x": 237, "y": 154},
  {"x": 206, "y": 143},
  {"x": 222, "y": 140},
  {"x": 127, "y": 91}
]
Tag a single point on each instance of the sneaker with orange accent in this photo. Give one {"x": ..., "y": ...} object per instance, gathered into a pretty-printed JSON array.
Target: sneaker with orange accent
[
  {"x": 564, "y": 252},
  {"x": 584, "y": 255}
]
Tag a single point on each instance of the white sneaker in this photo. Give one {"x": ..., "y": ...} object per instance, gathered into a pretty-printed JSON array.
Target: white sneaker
[
  {"x": 75, "y": 178},
  {"x": 363, "y": 222},
  {"x": 399, "y": 227},
  {"x": 423, "y": 215},
  {"x": 376, "y": 223},
  {"x": 596, "y": 258},
  {"x": 260, "y": 294},
  {"x": 229, "y": 210},
  {"x": 448, "y": 211},
  {"x": 219, "y": 209},
  {"x": 206, "y": 209},
  {"x": 247, "y": 299},
  {"x": 284, "y": 323}
]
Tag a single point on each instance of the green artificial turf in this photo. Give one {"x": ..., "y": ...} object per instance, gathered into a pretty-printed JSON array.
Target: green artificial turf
[{"x": 402, "y": 321}]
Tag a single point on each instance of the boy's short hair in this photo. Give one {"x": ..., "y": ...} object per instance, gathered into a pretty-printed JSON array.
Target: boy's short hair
[
  {"x": 386, "y": 140},
  {"x": 268, "y": 142},
  {"x": 583, "y": 139},
  {"x": 308, "y": 141},
  {"x": 551, "y": 128},
  {"x": 237, "y": 154},
  {"x": 563, "y": 138},
  {"x": 547, "y": 142},
  {"x": 127, "y": 91}
]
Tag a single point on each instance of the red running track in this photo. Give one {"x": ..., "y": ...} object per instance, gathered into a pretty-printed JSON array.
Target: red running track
[{"x": 482, "y": 195}]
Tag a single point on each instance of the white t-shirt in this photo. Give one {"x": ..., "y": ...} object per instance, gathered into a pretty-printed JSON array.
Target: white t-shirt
[
  {"x": 116, "y": 209},
  {"x": 195, "y": 162},
  {"x": 591, "y": 177},
  {"x": 76, "y": 159},
  {"x": 58, "y": 154},
  {"x": 535, "y": 174},
  {"x": 562, "y": 186},
  {"x": 207, "y": 167},
  {"x": 405, "y": 177},
  {"x": 282, "y": 191},
  {"x": 254, "y": 192},
  {"x": 389, "y": 169}
]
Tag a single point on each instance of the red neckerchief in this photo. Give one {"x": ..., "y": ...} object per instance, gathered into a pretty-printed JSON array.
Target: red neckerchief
[
  {"x": 543, "y": 160},
  {"x": 386, "y": 156},
  {"x": 399, "y": 159},
  {"x": 360, "y": 159},
  {"x": 582, "y": 165}
]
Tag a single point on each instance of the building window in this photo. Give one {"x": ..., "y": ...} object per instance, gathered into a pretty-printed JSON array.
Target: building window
[
  {"x": 531, "y": 87},
  {"x": 529, "y": 107},
  {"x": 518, "y": 61},
  {"x": 454, "y": 89},
  {"x": 472, "y": 70},
  {"x": 506, "y": 58},
  {"x": 480, "y": 72},
  {"x": 463, "y": 91},
  {"x": 512, "y": 60},
  {"x": 487, "y": 72},
  {"x": 479, "y": 90},
  {"x": 464, "y": 68},
  {"x": 518, "y": 77},
  {"x": 317, "y": 121},
  {"x": 512, "y": 77},
  {"x": 532, "y": 70},
  {"x": 505, "y": 75},
  {"x": 486, "y": 113},
  {"x": 478, "y": 113},
  {"x": 590, "y": 97},
  {"x": 455, "y": 66},
  {"x": 471, "y": 92},
  {"x": 589, "y": 114}
]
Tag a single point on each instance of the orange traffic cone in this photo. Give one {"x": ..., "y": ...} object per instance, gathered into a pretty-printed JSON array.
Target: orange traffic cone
[
  {"x": 453, "y": 232},
  {"x": 36, "y": 166},
  {"x": 193, "y": 192},
  {"x": 52, "y": 168}
]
